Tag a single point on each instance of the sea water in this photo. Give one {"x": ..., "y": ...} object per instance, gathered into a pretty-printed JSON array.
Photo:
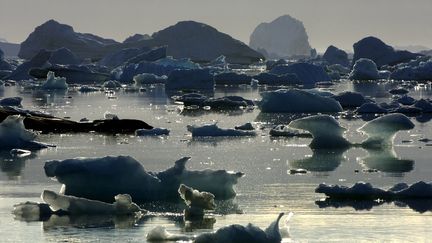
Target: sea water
[{"x": 266, "y": 189}]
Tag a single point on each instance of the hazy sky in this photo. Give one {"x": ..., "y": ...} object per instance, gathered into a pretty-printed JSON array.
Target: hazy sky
[{"x": 337, "y": 22}]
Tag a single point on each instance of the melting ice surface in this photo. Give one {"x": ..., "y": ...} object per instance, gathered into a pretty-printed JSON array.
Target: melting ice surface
[{"x": 266, "y": 189}]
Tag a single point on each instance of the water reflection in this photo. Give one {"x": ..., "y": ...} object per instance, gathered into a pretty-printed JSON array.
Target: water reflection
[
  {"x": 373, "y": 88},
  {"x": 417, "y": 205},
  {"x": 321, "y": 160},
  {"x": 13, "y": 165},
  {"x": 94, "y": 221},
  {"x": 386, "y": 160},
  {"x": 49, "y": 98}
]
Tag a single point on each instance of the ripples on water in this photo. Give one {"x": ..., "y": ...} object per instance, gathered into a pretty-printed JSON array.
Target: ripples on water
[{"x": 266, "y": 190}]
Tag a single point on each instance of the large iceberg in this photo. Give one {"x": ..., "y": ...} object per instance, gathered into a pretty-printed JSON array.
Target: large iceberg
[
  {"x": 364, "y": 69},
  {"x": 420, "y": 71},
  {"x": 283, "y": 37},
  {"x": 103, "y": 178},
  {"x": 308, "y": 74},
  {"x": 297, "y": 101},
  {"x": 376, "y": 50}
]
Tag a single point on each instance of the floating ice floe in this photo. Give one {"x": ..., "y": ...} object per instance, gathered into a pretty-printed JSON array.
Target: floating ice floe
[
  {"x": 57, "y": 204},
  {"x": 122, "y": 205},
  {"x": 54, "y": 83},
  {"x": 88, "y": 89},
  {"x": 149, "y": 78},
  {"x": 398, "y": 91},
  {"x": 362, "y": 190},
  {"x": 160, "y": 234},
  {"x": 13, "y": 134},
  {"x": 364, "y": 69},
  {"x": 103, "y": 178},
  {"x": 424, "y": 105},
  {"x": 382, "y": 130},
  {"x": 222, "y": 103},
  {"x": 297, "y": 101},
  {"x": 326, "y": 131},
  {"x": 212, "y": 130},
  {"x": 406, "y": 100},
  {"x": 415, "y": 70},
  {"x": 286, "y": 131},
  {"x": 156, "y": 131},
  {"x": 11, "y": 101},
  {"x": 247, "y": 126}
]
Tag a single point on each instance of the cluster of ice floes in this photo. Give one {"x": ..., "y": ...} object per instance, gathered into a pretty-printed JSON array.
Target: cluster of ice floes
[
  {"x": 212, "y": 130},
  {"x": 362, "y": 190},
  {"x": 13, "y": 135},
  {"x": 103, "y": 178},
  {"x": 274, "y": 233},
  {"x": 297, "y": 101},
  {"x": 222, "y": 103},
  {"x": 286, "y": 131}
]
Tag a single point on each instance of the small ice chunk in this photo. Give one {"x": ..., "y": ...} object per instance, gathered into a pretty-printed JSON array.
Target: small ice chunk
[
  {"x": 286, "y": 131},
  {"x": 212, "y": 130},
  {"x": 110, "y": 116}
]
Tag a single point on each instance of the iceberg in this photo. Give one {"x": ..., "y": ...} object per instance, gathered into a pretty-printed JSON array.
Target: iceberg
[
  {"x": 364, "y": 69},
  {"x": 308, "y": 74},
  {"x": 200, "y": 79},
  {"x": 212, "y": 130},
  {"x": 14, "y": 135},
  {"x": 296, "y": 101},
  {"x": 334, "y": 55},
  {"x": 326, "y": 131},
  {"x": 111, "y": 84},
  {"x": 382, "y": 130},
  {"x": 286, "y": 131},
  {"x": 54, "y": 83},
  {"x": 369, "y": 108},
  {"x": 160, "y": 234},
  {"x": 103, "y": 178},
  {"x": 247, "y": 127}
]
